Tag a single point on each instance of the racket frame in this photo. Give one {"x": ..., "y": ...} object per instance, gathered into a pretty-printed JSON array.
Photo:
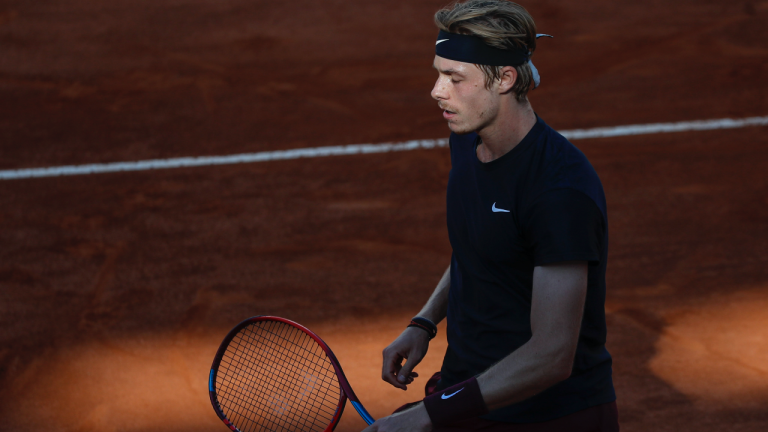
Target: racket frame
[{"x": 345, "y": 393}]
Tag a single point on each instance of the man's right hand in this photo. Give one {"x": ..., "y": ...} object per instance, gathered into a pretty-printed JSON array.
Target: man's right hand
[{"x": 411, "y": 345}]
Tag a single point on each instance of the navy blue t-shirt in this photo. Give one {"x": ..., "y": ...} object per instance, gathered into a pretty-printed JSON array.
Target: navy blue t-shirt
[{"x": 540, "y": 203}]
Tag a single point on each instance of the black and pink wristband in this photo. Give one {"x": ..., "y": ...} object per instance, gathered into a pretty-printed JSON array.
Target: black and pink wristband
[
  {"x": 425, "y": 324},
  {"x": 458, "y": 402}
]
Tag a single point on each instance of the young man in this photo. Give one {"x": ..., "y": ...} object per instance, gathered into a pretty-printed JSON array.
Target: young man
[{"x": 525, "y": 291}]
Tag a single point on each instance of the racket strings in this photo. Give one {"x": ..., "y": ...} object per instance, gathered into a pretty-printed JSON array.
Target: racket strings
[
  {"x": 280, "y": 403},
  {"x": 275, "y": 377}
]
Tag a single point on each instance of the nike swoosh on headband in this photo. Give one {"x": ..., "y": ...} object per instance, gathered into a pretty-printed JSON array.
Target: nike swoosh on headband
[{"x": 441, "y": 40}]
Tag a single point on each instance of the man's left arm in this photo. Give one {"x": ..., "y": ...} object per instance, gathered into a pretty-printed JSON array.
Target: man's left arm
[{"x": 557, "y": 306}]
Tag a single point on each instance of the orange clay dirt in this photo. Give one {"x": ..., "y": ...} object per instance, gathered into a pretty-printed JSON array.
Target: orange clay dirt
[{"x": 116, "y": 289}]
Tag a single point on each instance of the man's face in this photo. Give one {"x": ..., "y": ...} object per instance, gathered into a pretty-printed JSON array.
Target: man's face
[{"x": 460, "y": 92}]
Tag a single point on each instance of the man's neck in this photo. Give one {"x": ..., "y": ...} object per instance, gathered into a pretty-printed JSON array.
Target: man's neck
[{"x": 512, "y": 124}]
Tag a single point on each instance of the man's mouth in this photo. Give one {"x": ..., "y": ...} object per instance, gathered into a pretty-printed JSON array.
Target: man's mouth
[
  {"x": 447, "y": 114},
  {"x": 444, "y": 108}
]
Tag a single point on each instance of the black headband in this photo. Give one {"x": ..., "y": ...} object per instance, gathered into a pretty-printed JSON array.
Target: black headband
[{"x": 472, "y": 49}]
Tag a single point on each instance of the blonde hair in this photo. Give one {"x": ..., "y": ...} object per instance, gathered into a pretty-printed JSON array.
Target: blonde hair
[{"x": 500, "y": 24}]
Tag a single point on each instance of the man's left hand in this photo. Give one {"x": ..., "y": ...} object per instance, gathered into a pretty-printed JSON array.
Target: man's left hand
[{"x": 412, "y": 419}]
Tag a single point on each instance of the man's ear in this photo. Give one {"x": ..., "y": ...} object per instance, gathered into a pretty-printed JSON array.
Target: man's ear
[{"x": 508, "y": 79}]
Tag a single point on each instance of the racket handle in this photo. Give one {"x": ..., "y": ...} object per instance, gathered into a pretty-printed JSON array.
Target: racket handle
[{"x": 363, "y": 413}]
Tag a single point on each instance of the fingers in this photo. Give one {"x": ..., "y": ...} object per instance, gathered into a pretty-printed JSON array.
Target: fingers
[
  {"x": 391, "y": 368},
  {"x": 410, "y": 345},
  {"x": 406, "y": 374},
  {"x": 417, "y": 351}
]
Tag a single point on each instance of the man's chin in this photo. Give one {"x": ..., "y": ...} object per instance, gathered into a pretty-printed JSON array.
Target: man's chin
[{"x": 459, "y": 129}]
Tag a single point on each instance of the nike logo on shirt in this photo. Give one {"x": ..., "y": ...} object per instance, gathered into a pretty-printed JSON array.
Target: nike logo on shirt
[
  {"x": 445, "y": 396},
  {"x": 497, "y": 210}
]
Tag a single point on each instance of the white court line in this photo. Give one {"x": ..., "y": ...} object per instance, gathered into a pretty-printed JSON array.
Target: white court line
[
  {"x": 602, "y": 132},
  {"x": 697, "y": 125}
]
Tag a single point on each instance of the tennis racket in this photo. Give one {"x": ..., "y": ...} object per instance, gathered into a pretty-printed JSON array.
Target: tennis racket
[{"x": 272, "y": 374}]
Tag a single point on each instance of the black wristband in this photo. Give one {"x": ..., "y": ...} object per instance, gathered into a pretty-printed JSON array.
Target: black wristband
[
  {"x": 455, "y": 403},
  {"x": 424, "y": 324}
]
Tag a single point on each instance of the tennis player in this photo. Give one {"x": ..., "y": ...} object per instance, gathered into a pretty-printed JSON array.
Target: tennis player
[{"x": 525, "y": 290}]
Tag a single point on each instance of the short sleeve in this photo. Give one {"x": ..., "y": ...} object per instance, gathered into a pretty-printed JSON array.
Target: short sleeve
[{"x": 564, "y": 225}]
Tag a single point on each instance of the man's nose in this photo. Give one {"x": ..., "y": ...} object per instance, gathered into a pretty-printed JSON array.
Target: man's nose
[{"x": 438, "y": 91}]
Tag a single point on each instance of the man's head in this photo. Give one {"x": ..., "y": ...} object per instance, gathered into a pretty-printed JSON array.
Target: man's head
[
  {"x": 500, "y": 24},
  {"x": 471, "y": 93}
]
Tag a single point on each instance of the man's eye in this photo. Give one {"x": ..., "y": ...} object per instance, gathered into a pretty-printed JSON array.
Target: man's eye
[{"x": 455, "y": 81}]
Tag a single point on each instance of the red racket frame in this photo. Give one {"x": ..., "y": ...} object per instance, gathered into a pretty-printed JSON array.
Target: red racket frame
[{"x": 345, "y": 393}]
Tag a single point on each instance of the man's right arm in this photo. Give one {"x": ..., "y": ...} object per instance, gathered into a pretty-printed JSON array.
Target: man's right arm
[{"x": 413, "y": 342}]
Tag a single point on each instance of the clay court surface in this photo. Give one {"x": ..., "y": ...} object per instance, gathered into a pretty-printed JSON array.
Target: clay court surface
[{"x": 116, "y": 289}]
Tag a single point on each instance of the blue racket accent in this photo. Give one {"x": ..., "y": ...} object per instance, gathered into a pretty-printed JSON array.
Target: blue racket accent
[
  {"x": 210, "y": 381},
  {"x": 363, "y": 413}
]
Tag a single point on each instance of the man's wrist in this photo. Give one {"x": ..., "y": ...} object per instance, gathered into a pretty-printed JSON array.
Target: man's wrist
[
  {"x": 422, "y": 416},
  {"x": 458, "y": 402},
  {"x": 425, "y": 324}
]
